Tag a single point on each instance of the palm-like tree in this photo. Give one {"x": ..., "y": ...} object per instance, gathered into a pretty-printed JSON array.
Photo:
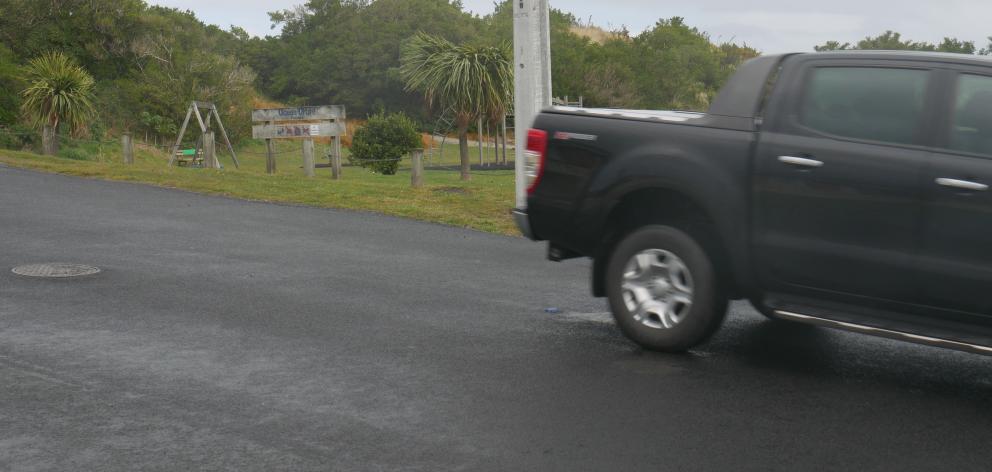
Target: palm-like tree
[
  {"x": 59, "y": 92},
  {"x": 472, "y": 81}
]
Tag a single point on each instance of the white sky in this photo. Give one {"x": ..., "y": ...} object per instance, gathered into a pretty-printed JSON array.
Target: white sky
[{"x": 769, "y": 25}]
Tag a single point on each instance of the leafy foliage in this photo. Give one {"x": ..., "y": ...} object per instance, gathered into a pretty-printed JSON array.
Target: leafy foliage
[
  {"x": 679, "y": 67},
  {"x": 383, "y": 141},
  {"x": 892, "y": 41},
  {"x": 144, "y": 59},
  {"x": 96, "y": 33},
  {"x": 10, "y": 86},
  {"x": 178, "y": 60},
  {"x": 348, "y": 51},
  {"x": 670, "y": 65},
  {"x": 58, "y": 91},
  {"x": 472, "y": 80}
]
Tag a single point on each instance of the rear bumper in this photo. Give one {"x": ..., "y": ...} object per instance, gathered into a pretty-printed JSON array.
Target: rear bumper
[{"x": 523, "y": 223}]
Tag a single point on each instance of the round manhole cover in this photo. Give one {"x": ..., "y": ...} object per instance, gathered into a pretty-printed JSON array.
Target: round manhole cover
[{"x": 57, "y": 270}]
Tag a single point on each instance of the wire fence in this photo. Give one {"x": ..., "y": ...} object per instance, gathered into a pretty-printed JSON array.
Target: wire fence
[
  {"x": 32, "y": 139},
  {"x": 274, "y": 153}
]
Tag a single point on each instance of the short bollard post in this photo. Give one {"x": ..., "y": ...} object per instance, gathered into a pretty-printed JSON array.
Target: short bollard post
[
  {"x": 417, "y": 173},
  {"x": 128, "y": 147}
]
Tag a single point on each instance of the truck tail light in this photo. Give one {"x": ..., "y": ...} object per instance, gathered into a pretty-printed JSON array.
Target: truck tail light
[{"x": 535, "y": 156}]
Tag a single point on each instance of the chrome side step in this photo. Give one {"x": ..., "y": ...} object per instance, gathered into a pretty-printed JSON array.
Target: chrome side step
[{"x": 885, "y": 333}]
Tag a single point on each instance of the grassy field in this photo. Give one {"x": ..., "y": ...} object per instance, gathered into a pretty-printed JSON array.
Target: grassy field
[{"x": 482, "y": 203}]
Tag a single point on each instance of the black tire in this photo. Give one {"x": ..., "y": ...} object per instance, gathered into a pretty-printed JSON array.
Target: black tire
[{"x": 709, "y": 302}]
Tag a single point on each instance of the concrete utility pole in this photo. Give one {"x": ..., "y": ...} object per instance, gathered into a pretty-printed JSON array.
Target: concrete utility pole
[{"x": 532, "y": 76}]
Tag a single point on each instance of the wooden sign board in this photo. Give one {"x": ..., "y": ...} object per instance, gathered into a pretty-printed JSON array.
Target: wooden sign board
[
  {"x": 299, "y": 131},
  {"x": 327, "y": 112}
]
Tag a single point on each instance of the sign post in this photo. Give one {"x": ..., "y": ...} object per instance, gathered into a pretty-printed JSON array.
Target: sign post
[
  {"x": 532, "y": 77},
  {"x": 305, "y": 123},
  {"x": 270, "y": 157},
  {"x": 308, "y": 164}
]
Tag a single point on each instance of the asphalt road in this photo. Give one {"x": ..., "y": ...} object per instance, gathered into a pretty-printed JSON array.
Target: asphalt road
[{"x": 231, "y": 335}]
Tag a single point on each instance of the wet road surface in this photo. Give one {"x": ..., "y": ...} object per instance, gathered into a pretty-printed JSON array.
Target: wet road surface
[{"x": 232, "y": 335}]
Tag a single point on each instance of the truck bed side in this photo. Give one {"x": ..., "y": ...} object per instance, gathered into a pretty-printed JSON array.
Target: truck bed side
[{"x": 603, "y": 163}]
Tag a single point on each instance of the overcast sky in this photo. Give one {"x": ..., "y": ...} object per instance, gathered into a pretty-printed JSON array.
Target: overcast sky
[{"x": 769, "y": 25}]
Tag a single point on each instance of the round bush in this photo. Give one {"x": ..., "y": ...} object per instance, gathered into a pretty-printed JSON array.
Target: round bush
[{"x": 383, "y": 141}]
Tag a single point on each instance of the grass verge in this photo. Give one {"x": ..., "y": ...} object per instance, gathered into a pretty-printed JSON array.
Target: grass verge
[{"x": 482, "y": 203}]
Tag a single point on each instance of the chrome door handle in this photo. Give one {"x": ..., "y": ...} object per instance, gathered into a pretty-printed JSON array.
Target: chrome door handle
[
  {"x": 800, "y": 161},
  {"x": 962, "y": 184}
]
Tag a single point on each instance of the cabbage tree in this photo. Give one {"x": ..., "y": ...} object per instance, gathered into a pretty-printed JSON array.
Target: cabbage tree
[
  {"x": 59, "y": 92},
  {"x": 472, "y": 81}
]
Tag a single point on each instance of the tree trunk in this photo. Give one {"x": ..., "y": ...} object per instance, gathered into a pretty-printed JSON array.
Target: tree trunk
[
  {"x": 49, "y": 141},
  {"x": 463, "y": 150}
]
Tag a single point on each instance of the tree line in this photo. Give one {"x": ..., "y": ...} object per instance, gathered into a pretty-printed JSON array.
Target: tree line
[
  {"x": 148, "y": 62},
  {"x": 893, "y": 41},
  {"x": 334, "y": 51}
]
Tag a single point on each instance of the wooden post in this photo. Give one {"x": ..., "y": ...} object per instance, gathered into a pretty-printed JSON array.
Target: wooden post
[
  {"x": 199, "y": 118},
  {"x": 504, "y": 140},
  {"x": 49, "y": 141},
  {"x": 479, "y": 137},
  {"x": 270, "y": 157},
  {"x": 440, "y": 152},
  {"x": 495, "y": 136},
  {"x": 308, "y": 162},
  {"x": 179, "y": 139},
  {"x": 336, "y": 159},
  {"x": 128, "y": 146},
  {"x": 223, "y": 133},
  {"x": 417, "y": 173},
  {"x": 210, "y": 151},
  {"x": 198, "y": 151}
]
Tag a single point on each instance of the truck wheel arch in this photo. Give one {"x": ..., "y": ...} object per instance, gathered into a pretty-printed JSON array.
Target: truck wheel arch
[{"x": 641, "y": 207}]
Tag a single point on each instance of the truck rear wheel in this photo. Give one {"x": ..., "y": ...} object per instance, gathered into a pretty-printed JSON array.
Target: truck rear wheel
[{"x": 663, "y": 290}]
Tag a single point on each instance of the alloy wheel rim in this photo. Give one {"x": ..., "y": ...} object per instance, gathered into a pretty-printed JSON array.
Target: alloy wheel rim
[{"x": 657, "y": 288}]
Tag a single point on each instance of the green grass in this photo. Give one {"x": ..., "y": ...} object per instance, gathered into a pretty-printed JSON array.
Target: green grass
[{"x": 482, "y": 203}]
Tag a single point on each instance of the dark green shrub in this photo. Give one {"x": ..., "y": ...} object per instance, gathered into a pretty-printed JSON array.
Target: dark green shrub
[{"x": 383, "y": 141}]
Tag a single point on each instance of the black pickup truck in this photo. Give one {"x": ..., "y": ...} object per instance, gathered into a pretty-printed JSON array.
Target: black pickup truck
[{"x": 846, "y": 189}]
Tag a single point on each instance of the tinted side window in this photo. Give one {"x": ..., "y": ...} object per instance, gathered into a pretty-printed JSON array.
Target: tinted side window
[
  {"x": 972, "y": 130},
  {"x": 872, "y": 103}
]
